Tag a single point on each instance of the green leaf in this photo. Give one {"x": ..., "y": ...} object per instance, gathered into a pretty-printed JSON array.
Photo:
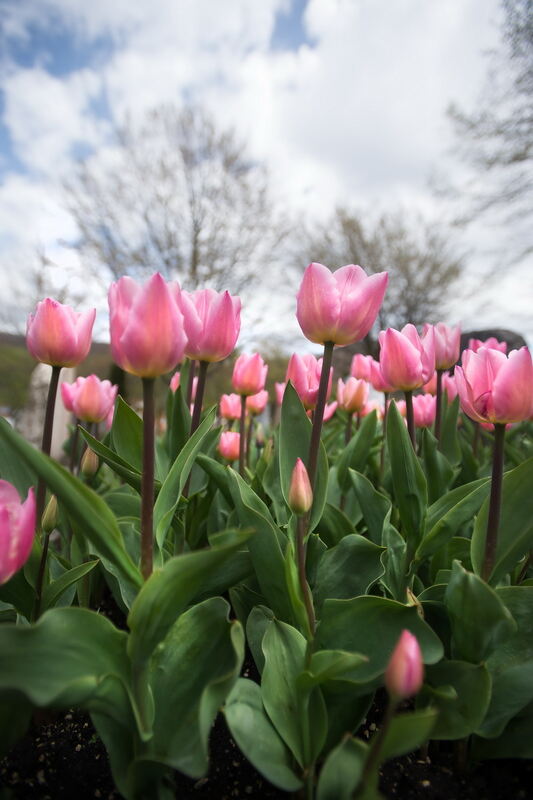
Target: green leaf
[
  {"x": 374, "y": 505},
  {"x": 82, "y": 504},
  {"x": 515, "y": 741},
  {"x": 15, "y": 470},
  {"x": 447, "y": 515},
  {"x": 409, "y": 483},
  {"x": 169, "y": 590},
  {"x": 191, "y": 674},
  {"x": 256, "y": 625},
  {"x": 342, "y": 771},
  {"x": 178, "y": 419},
  {"x": 479, "y": 620},
  {"x": 515, "y": 535},
  {"x": 171, "y": 489},
  {"x": 117, "y": 464},
  {"x": 295, "y": 591},
  {"x": 355, "y": 454},
  {"x": 349, "y": 569},
  {"x": 437, "y": 468},
  {"x": 407, "y": 732},
  {"x": 56, "y": 588},
  {"x": 257, "y": 737},
  {"x": 294, "y": 441},
  {"x": 15, "y": 717},
  {"x": 449, "y": 441},
  {"x": 394, "y": 560},
  {"x": 126, "y": 435},
  {"x": 299, "y": 715},
  {"x": 462, "y": 710},
  {"x": 372, "y": 626},
  {"x": 19, "y": 593},
  {"x": 334, "y": 525},
  {"x": 327, "y": 665},
  {"x": 218, "y": 473},
  {"x": 265, "y": 546}
]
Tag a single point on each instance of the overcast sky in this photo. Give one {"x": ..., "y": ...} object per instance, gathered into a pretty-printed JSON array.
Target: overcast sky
[{"x": 344, "y": 99}]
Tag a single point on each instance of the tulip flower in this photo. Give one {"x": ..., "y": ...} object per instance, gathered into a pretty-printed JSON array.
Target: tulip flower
[
  {"x": 304, "y": 373},
  {"x": 249, "y": 374},
  {"x": 379, "y": 384},
  {"x": 405, "y": 671},
  {"x": 17, "y": 529},
  {"x": 424, "y": 408},
  {"x": 449, "y": 386},
  {"x": 352, "y": 395},
  {"x": 329, "y": 410},
  {"x": 230, "y": 406},
  {"x": 339, "y": 307},
  {"x": 147, "y": 326},
  {"x": 90, "y": 399},
  {"x": 447, "y": 344},
  {"x": 431, "y": 386},
  {"x": 491, "y": 342},
  {"x": 175, "y": 381},
  {"x": 256, "y": 403},
  {"x": 300, "y": 496},
  {"x": 58, "y": 335},
  {"x": 361, "y": 367},
  {"x": 212, "y": 322},
  {"x": 280, "y": 391},
  {"x": 300, "y": 501},
  {"x": 229, "y": 445}
]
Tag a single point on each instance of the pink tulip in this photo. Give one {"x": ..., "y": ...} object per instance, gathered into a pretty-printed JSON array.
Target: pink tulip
[
  {"x": 447, "y": 344},
  {"x": 407, "y": 360},
  {"x": 361, "y": 367},
  {"x": 352, "y": 395},
  {"x": 368, "y": 408},
  {"x": 230, "y": 406},
  {"x": 377, "y": 380},
  {"x": 492, "y": 342},
  {"x": 431, "y": 386},
  {"x": 249, "y": 374},
  {"x": 405, "y": 672},
  {"x": 175, "y": 381},
  {"x": 424, "y": 409},
  {"x": 89, "y": 399},
  {"x": 212, "y": 323},
  {"x": 304, "y": 374},
  {"x": 256, "y": 403},
  {"x": 494, "y": 387},
  {"x": 300, "y": 495},
  {"x": 17, "y": 528},
  {"x": 58, "y": 335},
  {"x": 228, "y": 446},
  {"x": 280, "y": 391},
  {"x": 341, "y": 306},
  {"x": 449, "y": 386},
  {"x": 329, "y": 410},
  {"x": 147, "y": 333}
]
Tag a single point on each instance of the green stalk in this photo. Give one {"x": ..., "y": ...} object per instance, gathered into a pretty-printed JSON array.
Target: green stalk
[
  {"x": 190, "y": 382},
  {"x": 147, "y": 480},
  {"x": 200, "y": 389},
  {"x": 302, "y": 577},
  {"x": 495, "y": 502},
  {"x": 249, "y": 440},
  {"x": 318, "y": 416},
  {"x": 438, "y": 408},
  {"x": 242, "y": 431},
  {"x": 409, "y": 413}
]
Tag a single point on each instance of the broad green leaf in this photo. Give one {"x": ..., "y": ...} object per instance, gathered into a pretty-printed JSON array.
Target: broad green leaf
[
  {"x": 327, "y": 665},
  {"x": 15, "y": 717},
  {"x": 257, "y": 737},
  {"x": 438, "y": 470},
  {"x": 349, "y": 569},
  {"x": 407, "y": 732},
  {"x": 82, "y": 504},
  {"x": 409, "y": 483},
  {"x": 126, "y": 435},
  {"x": 479, "y": 620},
  {"x": 191, "y": 674},
  {"x": 295, "y": 591},
  {"x": 178, "y": 418},
  {"x": 117, "y": 464},
  {"x": 515, "y": 535},
  {"x": 168, "y": 591},
  {"x": 256, "y": 625},
  {"x": 342, "y": 771},
  {"x": 15, "y": 470},
  {"x": 19, "y": 593},
  {"x": 355, "y": 454},
  {"x": 515, "y": 741},
  {"x": 334, "y": 525},
  {"x": 394, "y": 561},
  {"x": 449, "y": 441},
  {"x": 462, "y": 710},
  {"x": 374, "y": 505},
  {"x": 294, "y": 440},
  {"x": 218, "y": 473},
  {"x": 56, "y": 588}
]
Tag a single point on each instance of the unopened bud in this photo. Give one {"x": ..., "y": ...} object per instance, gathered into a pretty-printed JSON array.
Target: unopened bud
[
  {"x": 89, "y": 463},
  {"x": 300, "y": 491},
  {"x": 405, "y": 671},
  {"x": 259, "y": 436},
  {"x": 49, "y": 518}
]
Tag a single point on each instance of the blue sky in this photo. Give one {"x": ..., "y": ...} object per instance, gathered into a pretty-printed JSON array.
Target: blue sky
[{"x": 344, "y": 100}]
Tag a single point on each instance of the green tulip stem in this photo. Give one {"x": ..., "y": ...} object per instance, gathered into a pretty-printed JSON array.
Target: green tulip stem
[
  {"x": 376, "y": 747},
  {"x": 147, "y": 480},
  {"x": 495, "y": 502},
  {"x": 319, "y": 412},
  {"x": 46, "y": 446},
  {"x": 74, "y": 447},
  {"x": 242, "y": 437},
  {"x": 382, "y": 454},
  {"x": 302, "y": 577},
  {"x": 438, "y": 405},
  {"x": 348, "y": 429},
  {"x": 200, "y": 390},
  {"x": 249, "y": 433},
  {"x": 190, "y": 382},
  {"x": 409, "y": 413}
]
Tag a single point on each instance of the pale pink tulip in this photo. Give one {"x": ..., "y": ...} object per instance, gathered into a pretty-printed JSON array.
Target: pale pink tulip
[
  {"x": 447, "y": 344},
  {"x": 300, "y": 495},
  {"x": 249, "y": 374},
  {"x": 256, "y": 403},
  {"x": 230, "y": 406},
  {"x": 228, "y": 446},
  {"x": 175, "y": 381},
  {"x": 449, "y": 386},
  {"x": 89, "y": 399},
  {"x": 431, "y": 386},
  {"x": 212, "y": 323},
  {"x": 405, "y": 671},
  {"x": 407, "y": 360},
  {"x": 492, "y": 342},
  {"x": 304, "y": 374},
  {"x": 146, "y": 323},
  {"x": 494, "y": 387},
  {"x": 377, "y": 380},
  {"x": 58, "y": 335},
  {"x": 424, "y": 410},
  {"x": 17, "y": 529},
  {"x": 329, "y": 410},
  {"x": 341, "y": 306},
  {"x": 352, "y": 395},
  {"x": 280, "y": 391},
  {"x": 361, "y": 367}
]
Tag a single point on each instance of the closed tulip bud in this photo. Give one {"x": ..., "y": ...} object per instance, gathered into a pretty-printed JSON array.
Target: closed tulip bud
[
  {"x": 424, "y": 410},
  {"x": 228, "y": 445},
  {"x": 256, "y": 403},
  {"x": 300, "y": 493},
  {"x": 449, "y": 386},
  {"x": 352, "y": 395},
  {"x": 89, "y": 463},
  {"x": 494, "y": 387},
  {"x": 361, "y": 367},
  {"x": 212, "y": 323},
  {"x": 49, "y": 518},
  {"x": 17, "y": 529},
  {"x": 407, "y": 360},
  {"x": 447, "y": 344},
  {"x": 90, "y": 399},
  {"x": 249, "y": 374},
  {"x": 58, "y": 335},
  {"x": 146, "y": 324},
  {"x": 230, "y": 406},
  {"x": 405, "y": 671},
  {"x": 340, "y": 306},
  {"x": 304, "y": 374}
]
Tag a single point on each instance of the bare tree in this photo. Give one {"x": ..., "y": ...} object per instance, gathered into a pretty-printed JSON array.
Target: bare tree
[
  {"x": 417, "y": 254},
  {"x": 495, "y": 141},
  {"x": 175, "y": 194}
]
